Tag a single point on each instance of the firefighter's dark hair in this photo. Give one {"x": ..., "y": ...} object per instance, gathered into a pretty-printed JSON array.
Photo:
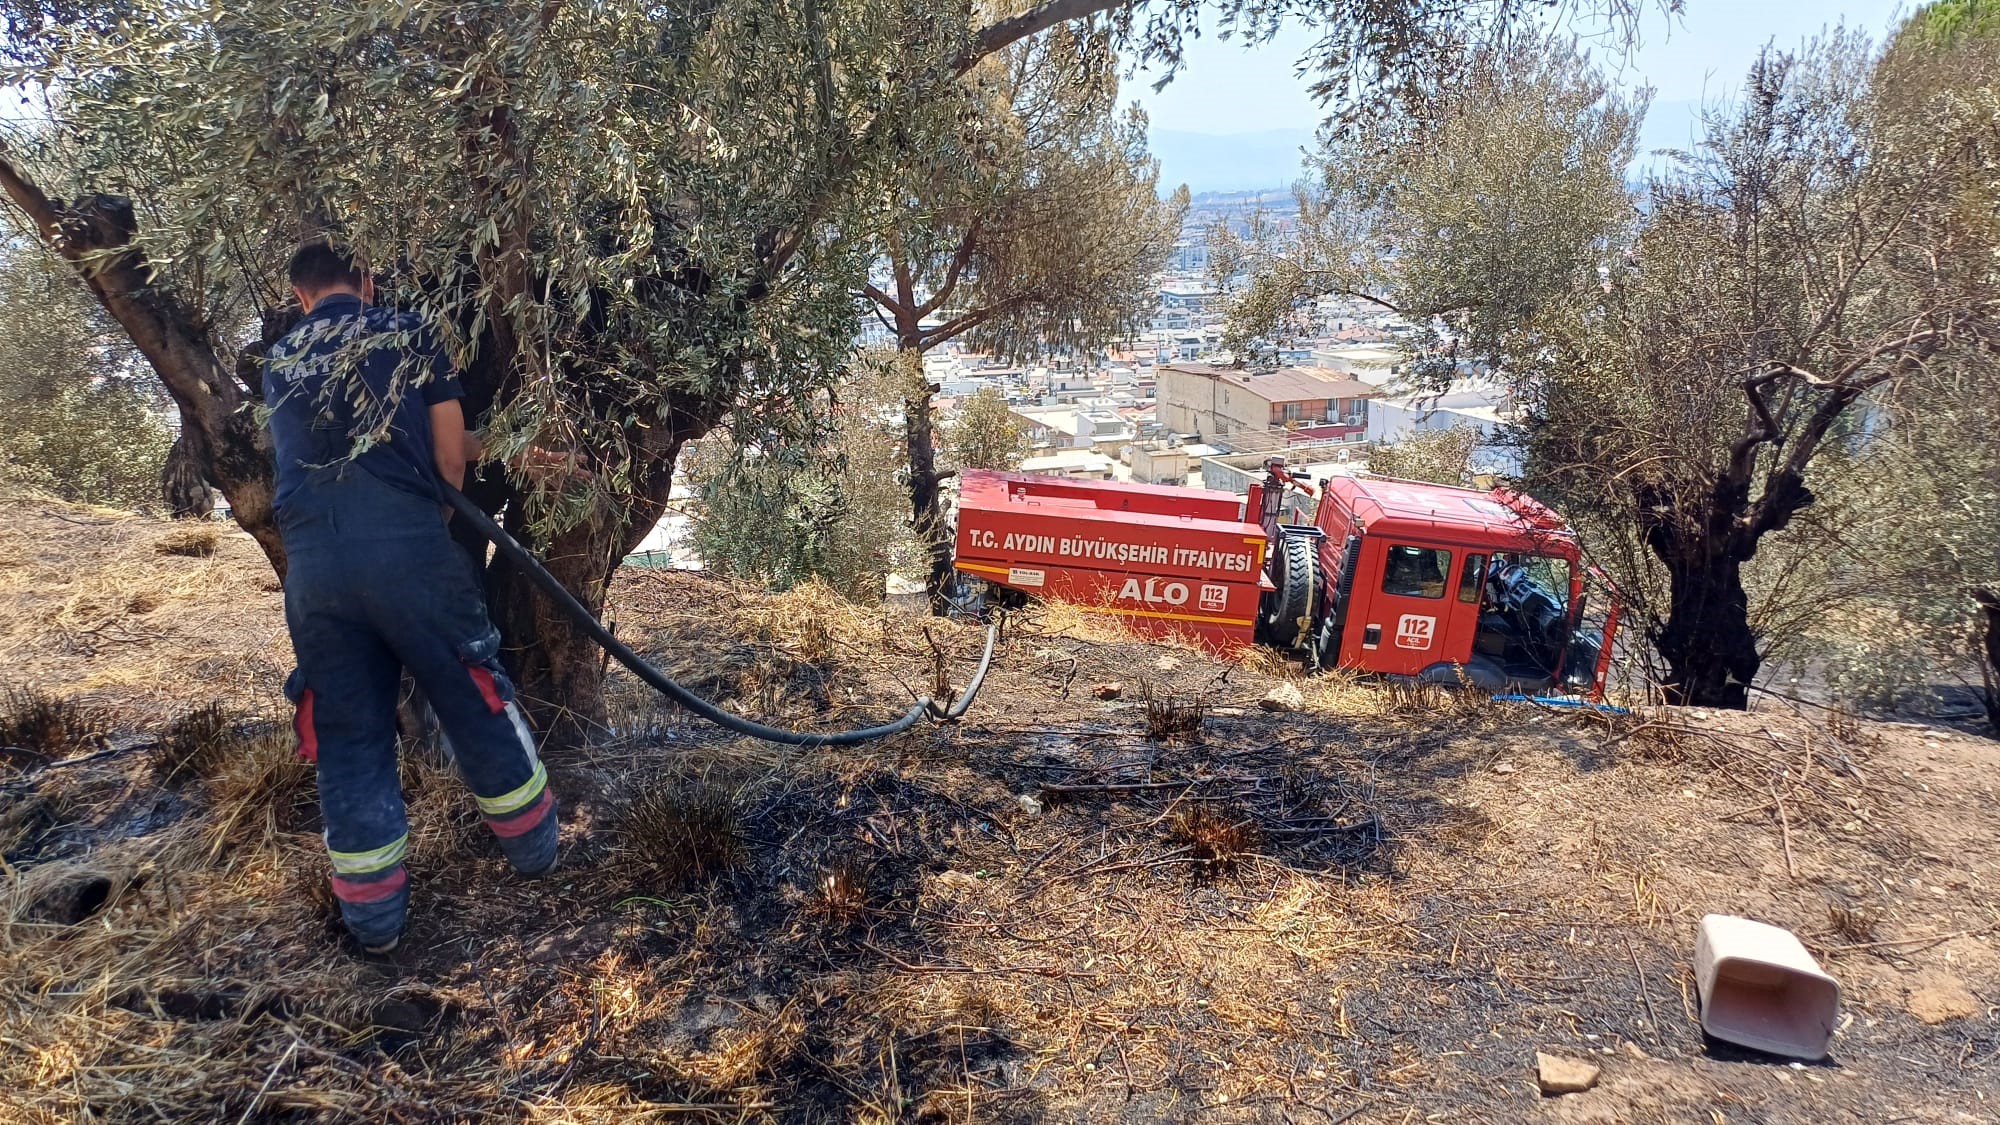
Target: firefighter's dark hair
[{"x": 317, "y": 267}]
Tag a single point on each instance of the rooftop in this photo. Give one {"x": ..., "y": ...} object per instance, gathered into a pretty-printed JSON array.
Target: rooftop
[{"x": 1283, "y": 384}]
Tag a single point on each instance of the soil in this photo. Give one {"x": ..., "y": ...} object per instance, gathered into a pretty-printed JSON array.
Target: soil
[{"x": 1377, "y": 909}]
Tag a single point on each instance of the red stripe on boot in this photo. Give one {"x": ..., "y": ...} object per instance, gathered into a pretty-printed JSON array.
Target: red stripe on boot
[
  {"x": 524, "y": 822},
  {"x": 302, "y": 725},
  {"x": 347, "y": 890},
  {"x": 488, "y": 690}
]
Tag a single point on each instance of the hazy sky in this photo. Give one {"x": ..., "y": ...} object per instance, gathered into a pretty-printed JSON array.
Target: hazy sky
[{"x": 1702, "y": 55}]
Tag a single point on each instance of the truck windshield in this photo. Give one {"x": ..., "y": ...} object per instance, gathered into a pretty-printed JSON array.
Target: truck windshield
[{"x": 1546, "y": 575}]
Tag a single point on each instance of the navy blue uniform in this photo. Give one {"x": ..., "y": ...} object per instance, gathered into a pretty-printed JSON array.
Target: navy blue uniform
[{"x": 374, "y": 585}]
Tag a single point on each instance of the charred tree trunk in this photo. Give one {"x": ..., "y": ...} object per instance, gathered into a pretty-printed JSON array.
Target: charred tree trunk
[
  {"x": 926, "y": 483},
  {"x": 1703, "y": 535},
  {"x": 1710, "y": 649},
  {"x": 1989, "y": 662},
  {"x": 182, "y": 488},
  {"x": 558, "y": 670}
]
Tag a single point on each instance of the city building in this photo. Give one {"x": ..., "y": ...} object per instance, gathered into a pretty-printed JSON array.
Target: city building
[
  {"x": 1220, "y": 403},
  {"x": 1077, "y": 464},
  {"x": 1157, "y": 463},
  {"x": 1068, "y": 427}
]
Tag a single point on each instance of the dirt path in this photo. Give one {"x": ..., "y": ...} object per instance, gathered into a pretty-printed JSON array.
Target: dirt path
[{"x": 1377, "y": 911}]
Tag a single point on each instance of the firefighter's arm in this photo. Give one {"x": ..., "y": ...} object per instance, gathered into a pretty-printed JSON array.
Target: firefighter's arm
[
  {"x": 449, "y": 441},
  {"x": 533, "y": 462}
]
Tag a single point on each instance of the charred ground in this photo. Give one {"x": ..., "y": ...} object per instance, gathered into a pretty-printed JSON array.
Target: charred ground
[{"x": 1066, "y": 908}]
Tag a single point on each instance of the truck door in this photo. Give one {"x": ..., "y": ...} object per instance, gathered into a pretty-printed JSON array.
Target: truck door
[{"x": 1407, "y": 613}]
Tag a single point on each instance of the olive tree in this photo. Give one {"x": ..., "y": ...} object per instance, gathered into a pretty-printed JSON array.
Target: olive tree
[
  {"x": 1465, "y": 215},
  {"x": 986, "y": 434},
  {"x": 1041, "y": 230},
  {"x": 1926, "y": 545},
  {"x": 1808, "y": 261},
  {"x": 783, "y": 496}
]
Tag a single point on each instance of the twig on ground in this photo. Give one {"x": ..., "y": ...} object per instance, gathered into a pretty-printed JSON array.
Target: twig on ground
[
  {"x": 970, "y": 970},
  {"x": 1785, "y": 833},
  {"x": 290, "y": 1050},
  {"x": 1645, "y": 993}
]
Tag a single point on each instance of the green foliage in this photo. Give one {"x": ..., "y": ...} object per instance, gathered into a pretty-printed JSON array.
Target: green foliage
[
  {"x": 986, "y": 435},
  {"x": 631, "y": 222},
  {"x": 1726, "y": 412},
  {"x": 780, "y": 505},
  {"x": 630, "y": 219},
  {"x": 1952, "y": 23},
  {"x": 1041, "y": 228},
  {"x": 1497, "y": 199},
  {"x": 1921, "y": 532},
  {"x": 78, "y": 423},
  {"x": 534, "y": 177},
  {"x": 1922, "y": 514},
  {"x": 1437, "y": 456}
]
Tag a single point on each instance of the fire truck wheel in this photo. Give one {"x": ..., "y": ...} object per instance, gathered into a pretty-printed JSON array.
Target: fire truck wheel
[{"x": 1292, "y": 601}]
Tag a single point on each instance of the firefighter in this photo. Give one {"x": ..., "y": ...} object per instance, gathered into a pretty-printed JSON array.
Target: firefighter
[{"x": 366, "y": 422}]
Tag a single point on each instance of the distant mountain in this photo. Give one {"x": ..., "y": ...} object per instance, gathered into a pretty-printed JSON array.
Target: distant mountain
[{"x": 1233, "y": 162}]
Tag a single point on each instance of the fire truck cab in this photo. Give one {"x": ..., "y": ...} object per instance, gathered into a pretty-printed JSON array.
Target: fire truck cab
[{"x": 1433, "y": 584}]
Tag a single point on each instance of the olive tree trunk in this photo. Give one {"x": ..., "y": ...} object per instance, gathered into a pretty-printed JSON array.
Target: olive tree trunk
[
  {"x": 558, "y": 668},
  {"x": 926, "y": 489},
  {"x": 1989, "y": 658},
  {"x": 182, "y": 488},
  {"x": 1707, "y": 643}
]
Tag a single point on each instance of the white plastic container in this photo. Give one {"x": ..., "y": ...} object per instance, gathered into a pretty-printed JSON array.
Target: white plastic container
[{"x": 1760, "y": 988}]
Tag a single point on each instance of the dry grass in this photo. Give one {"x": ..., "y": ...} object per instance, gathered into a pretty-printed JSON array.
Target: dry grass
[
  {"x": 893, "y": 935},
  {"x": 193, "y": 540},
  {"x": 29, "y": 818},
  {"x": 1853, "y": 925},
  {"x": 680, "y": 836},
  {"x": 196, "y": 745},
  {"x": 44, "y": 726},
  {"x": 1171, "y": 718},
  {"x": 90, "y": 606},
  {"x": 1216, "y": 838},
  {"x": 839, "y": 896}
]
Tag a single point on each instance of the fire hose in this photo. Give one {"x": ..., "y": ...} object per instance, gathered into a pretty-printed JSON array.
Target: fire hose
[{"x": 544, "y": 581}]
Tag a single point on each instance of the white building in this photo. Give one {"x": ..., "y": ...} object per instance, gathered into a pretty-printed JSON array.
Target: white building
[{"x": 1076, "y": 464}]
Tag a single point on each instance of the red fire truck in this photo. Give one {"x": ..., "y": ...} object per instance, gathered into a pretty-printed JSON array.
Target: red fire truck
[{"x": 1410, "y": 580}]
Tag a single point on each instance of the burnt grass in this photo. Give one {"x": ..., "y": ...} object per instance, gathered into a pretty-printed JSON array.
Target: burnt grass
[{"x": 1057, "y": 910}]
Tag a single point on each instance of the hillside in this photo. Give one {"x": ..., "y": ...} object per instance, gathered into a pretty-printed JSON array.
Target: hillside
[{"x": 1375, "y": 911}]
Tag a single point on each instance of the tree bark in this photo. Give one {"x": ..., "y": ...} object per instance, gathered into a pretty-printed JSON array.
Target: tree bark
[
  {"x": 926, "y": 494},
  {"x": 557, "y": 668},
  {"x": 1710, "y": 649},
  {"x": 1989, "y": 664},
  {"x": 182, "y": 489},
  {"x": 1002, "y": 33}
]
